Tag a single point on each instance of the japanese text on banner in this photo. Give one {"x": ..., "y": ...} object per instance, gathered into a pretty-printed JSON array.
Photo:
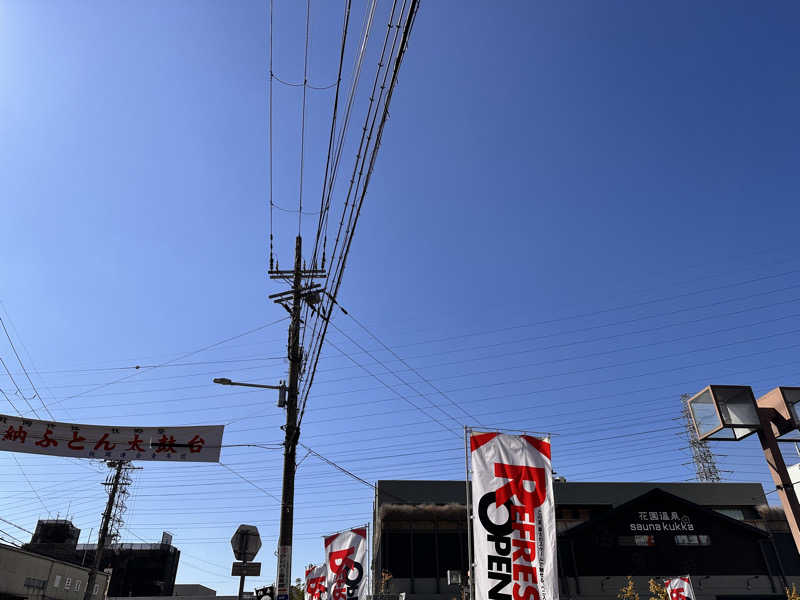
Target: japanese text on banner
[{"x": 175, "y": 444}]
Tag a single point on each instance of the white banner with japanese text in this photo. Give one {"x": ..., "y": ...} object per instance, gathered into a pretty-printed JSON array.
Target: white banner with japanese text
[
  {"x": 346, "y": 561},
  {"x": 680, "y": 588},
  {"x": 315, "y": 582},
  {"x": 514, "y": 521},
  {"x": 200, "y": 443}
]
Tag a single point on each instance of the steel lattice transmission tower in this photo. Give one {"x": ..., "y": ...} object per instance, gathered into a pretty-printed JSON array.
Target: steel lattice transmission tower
[
  {"x": 120, "y": 502},
  {"x": 117, "y": 483},
  {"x": 705, "y": 464}
]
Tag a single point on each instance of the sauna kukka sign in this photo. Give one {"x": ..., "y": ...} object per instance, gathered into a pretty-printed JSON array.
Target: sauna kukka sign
[
  {"x": 662, "y": 521},
  {"x": 200, "y": 443}
]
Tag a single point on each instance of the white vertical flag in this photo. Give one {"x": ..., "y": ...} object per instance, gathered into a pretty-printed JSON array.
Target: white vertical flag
[
  {"x": 514, "y": 523},
  {"x": 680, "y": 588},
  {"x": 345, "y": 560},
  {"x": 315, "y": 582}
]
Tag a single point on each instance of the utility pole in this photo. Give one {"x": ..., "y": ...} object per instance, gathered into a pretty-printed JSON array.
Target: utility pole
[
  {"x": 104, "y": 526},
  {"x": 291, "y": 429}
]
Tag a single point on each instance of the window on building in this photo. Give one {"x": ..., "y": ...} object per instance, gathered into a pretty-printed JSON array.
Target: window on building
[
  {"x": 57, "y": 581},
  {"x": 693, "y": 540},
  {"x": 424, "y": 558},
  {"x": 636, "y": 540},
  {"x": 451, "y": 552},
  {"x": 397, "y": 553},
  {"x": 733, "y": 513},
  {"x": 78, "y": 585},
  {"x": 68, "y": 583},
  {"x": 96, "y": 589}
]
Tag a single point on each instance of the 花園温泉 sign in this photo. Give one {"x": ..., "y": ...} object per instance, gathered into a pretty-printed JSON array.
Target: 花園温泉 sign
[{"x": 171, "y": 444}]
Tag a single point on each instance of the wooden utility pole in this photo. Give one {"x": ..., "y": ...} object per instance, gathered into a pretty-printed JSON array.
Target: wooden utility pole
[
  {"x": 104, "y": 526},
  {"x": 291, "y": 429}
]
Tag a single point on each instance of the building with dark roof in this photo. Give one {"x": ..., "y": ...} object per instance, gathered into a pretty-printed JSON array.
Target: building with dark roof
[
  {"x": 137, "y": 569},
  {"x": 723, "y": 534}
]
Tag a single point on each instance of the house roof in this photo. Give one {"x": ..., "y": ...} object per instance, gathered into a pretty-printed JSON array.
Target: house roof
[
  {"x": 579, "y": 493},
  {"x": 658, "y": 493}
]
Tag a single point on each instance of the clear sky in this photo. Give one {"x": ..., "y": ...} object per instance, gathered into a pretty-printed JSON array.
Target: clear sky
[{"x": 580, "y": 211}]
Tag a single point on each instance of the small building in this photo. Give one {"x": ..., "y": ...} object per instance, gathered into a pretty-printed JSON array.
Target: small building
[
  {"x": 28, "y": 576},
  {"x": 723, "y": 534},
  {"x": 137, "y": 569},
  {"x": 193, "y": 589}
]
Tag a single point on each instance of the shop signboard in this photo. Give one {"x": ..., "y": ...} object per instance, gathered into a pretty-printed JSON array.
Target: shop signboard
[{"x": 201, "y": 443}]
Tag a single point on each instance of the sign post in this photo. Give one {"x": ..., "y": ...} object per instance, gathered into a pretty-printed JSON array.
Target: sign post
[{"x": 246, "y": 543}]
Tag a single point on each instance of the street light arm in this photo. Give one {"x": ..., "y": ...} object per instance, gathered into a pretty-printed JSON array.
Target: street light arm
[{"x": 226, "y": 381}]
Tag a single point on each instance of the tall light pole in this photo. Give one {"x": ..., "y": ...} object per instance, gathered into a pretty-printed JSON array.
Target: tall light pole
[{"x": 731, "y": 413}]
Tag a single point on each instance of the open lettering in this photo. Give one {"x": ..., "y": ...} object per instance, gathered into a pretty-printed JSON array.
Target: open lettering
[
  {"x": 513, "y": 518},
  {"x": 513, "y": 540}
]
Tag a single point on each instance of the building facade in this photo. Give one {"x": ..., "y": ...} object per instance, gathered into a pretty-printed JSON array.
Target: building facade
[
  {"x": 28, "y": 576},
  {"x": 137, "y": 569},
  {"x": 723, "y": 534}
]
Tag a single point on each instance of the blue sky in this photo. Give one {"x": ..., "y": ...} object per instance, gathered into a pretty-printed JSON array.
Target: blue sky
[{"x": 580, "y": 211}]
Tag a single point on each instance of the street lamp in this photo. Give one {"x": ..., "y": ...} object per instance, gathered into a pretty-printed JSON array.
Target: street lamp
[
  {"x": 786, "y": 414},
  {"x": 281, "y": 387},
  {"x": 725, "y": 412},
  {"x": 731, "y": 413}
]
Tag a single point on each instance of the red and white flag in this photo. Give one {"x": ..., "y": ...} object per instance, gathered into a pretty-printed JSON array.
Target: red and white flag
[
  {"x": 514, "y": 521},
  {"x": 316, "y": 585},
  {"x": 680, "y": 588},
  {"x": 345, "y": 560}
]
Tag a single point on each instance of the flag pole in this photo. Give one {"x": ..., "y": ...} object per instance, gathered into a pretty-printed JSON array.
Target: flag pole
[{"x": 467, "y": 432}]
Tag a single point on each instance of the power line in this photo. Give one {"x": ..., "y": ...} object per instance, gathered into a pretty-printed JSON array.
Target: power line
[
  {"x": 269, "y": 143},
  {"x": 327, "y": 193},
  {"x": 401, "y": 395},
  {"x": 334, "y": 280},
  {"x": 16, "y": 542},
  {"x": 2, "y": 391},
  {"x": 403, "y": 381},
  {"x": 177, "y": 358},
  {"x": 626, "y": 307},
  {"x": 525, "y": 351},
  {"x": 726, "y": 300},
  {"x": 17, "y": 526},
  {"x": 24, "y": 370},
  {"x": 303, "y": 118},
  {"x": 420, "y": 375},
  {"x": 19, "y": 391},
  {"x": 322, "y": 208},
  {"x": 309, "y": 86},
  {"x": 246, "y": 480},
  {"x": 572, "y": 386},
  {"x": 33, "y": 489}
]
